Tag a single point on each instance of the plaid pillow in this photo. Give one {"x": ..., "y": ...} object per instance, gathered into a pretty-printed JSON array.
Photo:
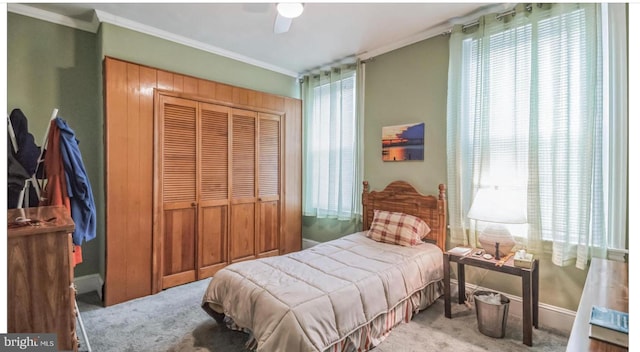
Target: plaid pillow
[{"x": 397, "y": 228}]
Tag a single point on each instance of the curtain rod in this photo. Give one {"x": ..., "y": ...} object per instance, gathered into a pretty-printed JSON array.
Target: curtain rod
[
  {"x": 499, "y": 16},
  {"x": 347, "y": 60}
]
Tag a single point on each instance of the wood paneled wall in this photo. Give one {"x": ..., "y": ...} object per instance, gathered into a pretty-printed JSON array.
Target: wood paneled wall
[
  {"x": 292, "y": 181},
  {"x": 129, "y": 94}
]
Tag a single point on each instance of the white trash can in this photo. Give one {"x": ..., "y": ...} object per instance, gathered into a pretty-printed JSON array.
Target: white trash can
[{"x": 492, "y": 310}]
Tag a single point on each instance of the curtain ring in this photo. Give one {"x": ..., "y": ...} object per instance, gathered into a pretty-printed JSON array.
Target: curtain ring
[{"x": 500, "y": 15}]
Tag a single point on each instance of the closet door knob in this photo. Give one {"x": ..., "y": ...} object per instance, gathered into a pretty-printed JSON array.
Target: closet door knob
[{"x": 193, "y": 204}]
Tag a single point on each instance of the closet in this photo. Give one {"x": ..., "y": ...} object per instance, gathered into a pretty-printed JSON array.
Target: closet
[
  {"x": 218, "y": 177},
  {"x": 198, "y": 175}
]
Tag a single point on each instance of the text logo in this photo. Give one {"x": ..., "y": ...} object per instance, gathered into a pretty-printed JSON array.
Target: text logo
[{"x": 28, "y": 342}]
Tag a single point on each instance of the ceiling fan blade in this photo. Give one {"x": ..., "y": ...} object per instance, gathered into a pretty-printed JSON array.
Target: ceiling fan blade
[{"x": 281, "y": 24}]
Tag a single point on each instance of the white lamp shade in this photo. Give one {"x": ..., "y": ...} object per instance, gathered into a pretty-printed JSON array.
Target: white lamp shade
[
  {"x": 290, "y": 9},
  {"x": 500, "y": 206}
]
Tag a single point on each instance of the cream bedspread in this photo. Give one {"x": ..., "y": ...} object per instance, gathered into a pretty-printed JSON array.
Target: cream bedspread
[{"x": 312, "y": 299}]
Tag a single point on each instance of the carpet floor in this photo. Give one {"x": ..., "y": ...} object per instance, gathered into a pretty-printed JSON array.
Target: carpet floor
[{"x": 172, "y": 320}]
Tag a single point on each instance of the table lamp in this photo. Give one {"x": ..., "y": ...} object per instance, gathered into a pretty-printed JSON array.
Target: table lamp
[{"x": 497, "y": 207}]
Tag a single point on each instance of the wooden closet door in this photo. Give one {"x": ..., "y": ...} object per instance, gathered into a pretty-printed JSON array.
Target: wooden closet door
[
  {"x": 134, "y": 210},
  {"x": 243, "y": 186},
  {"x": 177, "y": 189},
  {"x": 213, "y": 193},
  {"x": 269, "y": 180}
]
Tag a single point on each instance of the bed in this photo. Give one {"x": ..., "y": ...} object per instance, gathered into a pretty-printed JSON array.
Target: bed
[{"x": 342, "y": 295}]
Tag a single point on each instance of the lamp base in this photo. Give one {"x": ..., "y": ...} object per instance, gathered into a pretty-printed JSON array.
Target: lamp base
[{"x": 496, "y": 233}]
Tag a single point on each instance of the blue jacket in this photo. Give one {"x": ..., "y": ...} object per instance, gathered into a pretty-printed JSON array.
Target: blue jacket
[{"x": 83, "y": 208}]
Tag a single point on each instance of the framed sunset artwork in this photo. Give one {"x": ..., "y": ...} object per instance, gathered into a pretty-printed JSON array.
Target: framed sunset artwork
[{"x": 403, "y": 142}]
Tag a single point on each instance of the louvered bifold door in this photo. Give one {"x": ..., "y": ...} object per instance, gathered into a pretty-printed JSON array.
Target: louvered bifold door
[
  {"x": 213, "y": 202},
  {"x": 269, "y": 181},
  {"x": 177, "y": 191},
  {"x": 243, "y": 186}
]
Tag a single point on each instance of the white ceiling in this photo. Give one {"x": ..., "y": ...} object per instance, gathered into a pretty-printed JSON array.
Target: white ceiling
[{"x": 325, "y": 32}]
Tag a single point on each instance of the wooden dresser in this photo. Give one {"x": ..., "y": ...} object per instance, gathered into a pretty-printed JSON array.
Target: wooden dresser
[
  {"x": 40, "y": 292},
  {"x": 607, "y": 285}
]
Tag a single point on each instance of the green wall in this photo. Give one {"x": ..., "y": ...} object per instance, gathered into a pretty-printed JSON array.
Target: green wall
[
  {"x": 322, "y": 230},
  {"x": 410, "y": 85},
  {"x": 51, "y": 66},
  {"x": 407, "y": 85},
  {"x": 54, "y": 66}
]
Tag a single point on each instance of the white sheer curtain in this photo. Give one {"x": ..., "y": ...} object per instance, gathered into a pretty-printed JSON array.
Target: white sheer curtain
[
  {"x": 332, "y": 173},
  {"x": 525, "y": 113}
]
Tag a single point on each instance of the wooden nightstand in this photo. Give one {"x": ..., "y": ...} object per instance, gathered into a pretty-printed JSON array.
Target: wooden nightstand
[{"x": 529, "y": 286}]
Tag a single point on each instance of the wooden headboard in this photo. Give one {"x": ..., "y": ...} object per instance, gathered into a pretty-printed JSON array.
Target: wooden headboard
[{"x": 400, "y": 196}]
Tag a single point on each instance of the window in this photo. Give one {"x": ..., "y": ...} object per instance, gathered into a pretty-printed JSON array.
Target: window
[
  {"x": 329, "y": 175},
  {"x": 527, "y": 100}
]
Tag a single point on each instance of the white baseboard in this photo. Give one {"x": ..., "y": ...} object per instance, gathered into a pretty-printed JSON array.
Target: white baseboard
[
  {"x": 89, "y": 283},
  {"x": 307, "y": 243},
  {"x": 550, "y": 317}
]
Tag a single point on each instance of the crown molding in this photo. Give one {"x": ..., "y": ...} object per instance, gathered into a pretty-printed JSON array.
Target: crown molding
[
  {"x": 435, "y": 30},
  {"x": 430, "y": 33},
  {"x": 49, "y": 16},
  {"x": 138, "y": 27},
  {"x": 101, "y": 16}
]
